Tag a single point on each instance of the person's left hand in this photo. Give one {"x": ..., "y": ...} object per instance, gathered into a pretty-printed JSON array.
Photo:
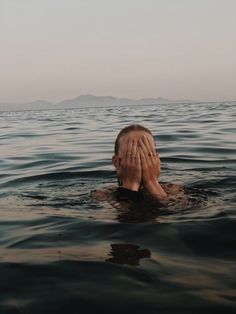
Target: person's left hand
[
  {"x": 151, "y": 169},
  {"x": 150, "y": 161}
]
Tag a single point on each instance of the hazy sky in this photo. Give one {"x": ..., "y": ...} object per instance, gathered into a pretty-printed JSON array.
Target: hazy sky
[{"x": 58, "y": 49}]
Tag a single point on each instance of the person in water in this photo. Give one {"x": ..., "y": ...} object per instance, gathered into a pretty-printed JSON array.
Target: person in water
[{"x": 138, "y": 169}]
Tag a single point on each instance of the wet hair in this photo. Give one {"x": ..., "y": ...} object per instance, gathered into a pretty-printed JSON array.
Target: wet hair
[{"x": 126, "y": 130}]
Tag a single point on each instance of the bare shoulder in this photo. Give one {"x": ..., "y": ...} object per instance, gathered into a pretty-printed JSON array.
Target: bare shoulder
[
  {"x": 173, "y": 189},
  {"x": 176, "y": 193},
  {"x": 104, "y": 194}
]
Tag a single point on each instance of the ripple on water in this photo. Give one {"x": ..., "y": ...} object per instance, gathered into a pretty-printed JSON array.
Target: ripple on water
[{"x": 75, "y": 254}]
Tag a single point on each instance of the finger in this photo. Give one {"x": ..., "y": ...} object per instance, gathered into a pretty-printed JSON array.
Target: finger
[
  {"x": 134, "y": 150},
  {"x": 145, "y": 152},
  {"x": 138, "y": 164},
  {"x": 124, "y": 151},
  {"x": 157, "y": 160},
  {"x": 151, "y": 145},
  {"x": 129, "y": 149},
  {"x": 143, "y": 158},
  {"x": 143, "y": 146},
  {"x": 123, "y": 147},
  {"x": 156, "y": 147},
  {"x": 148, "y": 145},
  {"x": 138, "y": 157}
]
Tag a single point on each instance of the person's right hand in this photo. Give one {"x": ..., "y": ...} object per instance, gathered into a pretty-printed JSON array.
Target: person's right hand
[{"x": 129, "y": 165}]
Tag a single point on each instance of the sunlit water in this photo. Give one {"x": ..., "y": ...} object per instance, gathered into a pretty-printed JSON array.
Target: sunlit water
[{"x": 63, "y": 252}]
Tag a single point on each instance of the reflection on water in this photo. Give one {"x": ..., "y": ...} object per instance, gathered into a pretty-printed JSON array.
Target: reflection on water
[
  {"x": 63, "y": 252},
  {"x": 127, "y": 254}
]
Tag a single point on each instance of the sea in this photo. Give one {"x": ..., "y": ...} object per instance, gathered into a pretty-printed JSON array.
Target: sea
[{"x": 62, "y": 251}]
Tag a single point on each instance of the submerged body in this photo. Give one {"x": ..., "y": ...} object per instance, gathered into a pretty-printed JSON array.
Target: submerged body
[{"x": 174, "y": 193}]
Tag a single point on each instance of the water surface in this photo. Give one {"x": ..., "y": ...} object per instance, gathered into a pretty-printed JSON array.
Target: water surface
[{"x": 63, "y": 252}]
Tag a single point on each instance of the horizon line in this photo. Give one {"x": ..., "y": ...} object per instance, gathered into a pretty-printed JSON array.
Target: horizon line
[{"x": 121, "y": 97}]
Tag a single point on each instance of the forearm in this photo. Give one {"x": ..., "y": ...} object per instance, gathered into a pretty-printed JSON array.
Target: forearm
[{"x": 155, "y": 190}]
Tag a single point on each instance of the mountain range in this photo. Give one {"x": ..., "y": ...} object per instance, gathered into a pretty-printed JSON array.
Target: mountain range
[{"x": 83, "y": 101}]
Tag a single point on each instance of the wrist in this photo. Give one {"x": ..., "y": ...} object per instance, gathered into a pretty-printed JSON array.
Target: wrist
[
  {"x": 130, "y": 186},
  {"x": 155, "y": 189}
]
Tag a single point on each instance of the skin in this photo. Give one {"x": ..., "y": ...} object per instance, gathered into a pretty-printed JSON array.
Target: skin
[
  {"x": 138, "y": 165},
  {"x": 138, "y": 168}
]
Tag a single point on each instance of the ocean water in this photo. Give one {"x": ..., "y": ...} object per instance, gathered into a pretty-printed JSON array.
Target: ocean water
[{"x": 63, "y": 252}]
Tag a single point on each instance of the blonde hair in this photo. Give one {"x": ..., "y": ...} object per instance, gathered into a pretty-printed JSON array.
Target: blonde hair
[{"x": 126, "y": 130}]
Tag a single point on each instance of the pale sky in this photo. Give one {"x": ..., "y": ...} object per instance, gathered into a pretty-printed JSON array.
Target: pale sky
[{"x": 59, "y": 49}]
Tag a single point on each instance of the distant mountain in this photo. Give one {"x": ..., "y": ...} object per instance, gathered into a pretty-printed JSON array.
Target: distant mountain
[{"x": 85, "y": 101}]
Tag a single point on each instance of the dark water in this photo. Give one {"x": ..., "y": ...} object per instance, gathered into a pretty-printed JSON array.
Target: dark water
[{"x": 62, "y": 252}]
